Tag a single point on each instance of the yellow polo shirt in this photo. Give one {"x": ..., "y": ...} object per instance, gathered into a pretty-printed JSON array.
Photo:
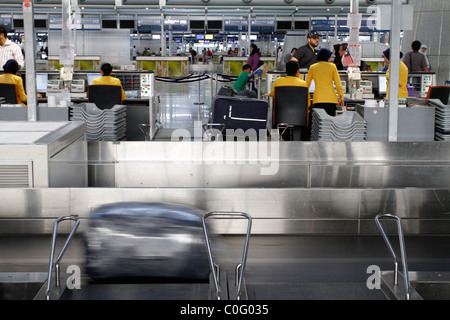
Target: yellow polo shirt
[
  {"x": 324, "y": 73},
  {"x": 403, "y": 80},
  {"x": 288, "y": 81},
  {"x": 18, "y": 82},
  {"x": 108, "y": 80}
]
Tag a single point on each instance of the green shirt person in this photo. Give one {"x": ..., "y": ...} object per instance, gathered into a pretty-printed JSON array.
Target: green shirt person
[{"x": 241, "y": 81}]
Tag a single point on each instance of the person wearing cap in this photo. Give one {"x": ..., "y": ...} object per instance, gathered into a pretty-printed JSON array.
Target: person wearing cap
[
  {"x": 11, "y": 67},
  {"x": 324, "y": 73},
  {"x": 403, "y": 75},
  {"x": 306, "y": 55}
]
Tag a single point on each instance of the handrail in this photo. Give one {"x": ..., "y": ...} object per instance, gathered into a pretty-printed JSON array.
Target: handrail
[
  {"x": 240, "y": 268},
  {"x": 392, "y": 252},
  {"x": 52, "y": 254}
]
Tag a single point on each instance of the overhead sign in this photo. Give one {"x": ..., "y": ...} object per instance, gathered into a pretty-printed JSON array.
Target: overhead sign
[{"x": 27, "y": 5}]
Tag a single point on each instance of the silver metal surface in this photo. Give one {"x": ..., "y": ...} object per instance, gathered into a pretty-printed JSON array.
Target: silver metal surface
[
  {"x": 61, "y": 253},
  {"x": 240, "y": 268},
  {"x": 273, "y": 210},
  {"x": 270, "y": 164},
  {"x": 402, "y": 258}
]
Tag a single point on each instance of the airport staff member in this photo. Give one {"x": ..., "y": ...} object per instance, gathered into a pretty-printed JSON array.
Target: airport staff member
[
  {"x": 291, "y": 80},
  {"x": 306, "y": 55},
  {"x": 9, "y": 50},
  {"x": 106, "y": 79},
  {"x": 403, "y": 75},
  {"x": 11, "y": 67},
  {"x": 324, "y": 73}
]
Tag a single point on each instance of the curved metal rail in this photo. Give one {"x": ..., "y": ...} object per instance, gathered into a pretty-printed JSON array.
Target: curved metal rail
[
  {"x": 63, "y": 250},
  {"x": 392, "y": 252},
  {"x": 240, "y": 268}
]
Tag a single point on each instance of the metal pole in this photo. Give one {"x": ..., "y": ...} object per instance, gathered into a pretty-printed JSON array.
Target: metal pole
[
  {"x": 163, "y": 37},
  {"x": 30, "y": 52},
  {"x": 354, "y": 6},
  {"x": 394, "y": 76}
]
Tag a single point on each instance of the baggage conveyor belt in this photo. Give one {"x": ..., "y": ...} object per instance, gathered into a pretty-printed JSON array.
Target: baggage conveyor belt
[{"x": 278, "y": 266}]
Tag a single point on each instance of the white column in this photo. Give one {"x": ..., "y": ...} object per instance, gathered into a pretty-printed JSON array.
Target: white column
[
  {"x": 30, "y": 56},
  {"x": 394, "y": 75}
]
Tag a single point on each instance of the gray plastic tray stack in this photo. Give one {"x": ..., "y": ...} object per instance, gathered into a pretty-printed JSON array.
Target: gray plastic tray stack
[
  {"x": 348, "y": 126},
  {"x": 442, "y": 120},
  {"x": 102, "y": 125}
]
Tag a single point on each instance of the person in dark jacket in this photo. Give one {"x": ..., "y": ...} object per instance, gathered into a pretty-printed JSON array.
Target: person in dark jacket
[{"x": 307, "y": 55}]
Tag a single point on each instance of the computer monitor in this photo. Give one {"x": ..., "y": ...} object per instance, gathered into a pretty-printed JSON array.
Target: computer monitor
[
  {"x": 41, "y": 82},
  {"x": 382, "y": 84},
  {"x": 92, "y": 76},
  {"x": 439, "y": 92},
  {"x": 312, "y": 86}
]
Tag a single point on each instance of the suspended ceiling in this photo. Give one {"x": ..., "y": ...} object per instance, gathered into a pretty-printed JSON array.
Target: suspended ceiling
[{"x": 279, "y": 8}]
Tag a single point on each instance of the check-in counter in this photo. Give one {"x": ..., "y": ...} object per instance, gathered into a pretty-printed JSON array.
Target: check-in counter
[
  {"x": 81, "y": 63},
  {"x": 35, "y": 154},
  {"x": 175, "y": 66},
  {"x": 415, "y": 123},
  {"x": 232, "y": 66}
]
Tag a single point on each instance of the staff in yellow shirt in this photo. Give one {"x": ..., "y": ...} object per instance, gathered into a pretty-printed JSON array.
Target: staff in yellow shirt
[
  {"x": 11, "y": 67},
  {"x": 292, "y": 80},
  {"x": 403, "y": 75},
  {"x": 324, "y": 73},
  {"x": 106, "y": 79}
]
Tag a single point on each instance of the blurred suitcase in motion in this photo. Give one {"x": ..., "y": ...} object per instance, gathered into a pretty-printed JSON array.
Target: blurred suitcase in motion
[
  {"x": 146, "y": 240},
  {"x": 239, "y": 114}
]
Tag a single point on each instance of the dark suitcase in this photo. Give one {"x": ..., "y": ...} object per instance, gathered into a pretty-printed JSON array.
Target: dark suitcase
[
  {"x": 239, "y": 115},
  {"x": 226, "y": 91}
]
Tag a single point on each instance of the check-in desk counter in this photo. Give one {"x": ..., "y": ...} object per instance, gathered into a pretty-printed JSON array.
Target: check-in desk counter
[
  {"x": 174, "y": 67},
  {"x": 138, "y": 86},
  {"x": 420, "y": 81},
  {"x": 81, "y": 63},
  {"x": 232, "y": 66},
  {"x": 43, "y": 154}
]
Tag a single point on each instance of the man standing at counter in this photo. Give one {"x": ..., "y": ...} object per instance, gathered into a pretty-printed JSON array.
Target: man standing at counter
[
  {"x": 9, "y": 50},
  {"x": 307, "y": 55},
  {"x": 403, "y": 75}
]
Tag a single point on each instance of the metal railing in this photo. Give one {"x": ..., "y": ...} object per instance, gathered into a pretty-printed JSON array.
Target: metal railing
[
  {"x": 240, "y": 268},
  {"x": 392, "y": 252},
  {"x": 63, "y": 250}
]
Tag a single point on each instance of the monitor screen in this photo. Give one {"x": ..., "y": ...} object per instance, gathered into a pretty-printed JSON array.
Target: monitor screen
[
  {"x": 197, "y": 24},
  {"x": 312, "y": 86},
  {"x": 41, "y": 82},
  {"x": 284, "y": 25},
  {"x": 382, "y": 84},
  {"x": 439, "y": 92},
  {"x": 92, "y": 76}
]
